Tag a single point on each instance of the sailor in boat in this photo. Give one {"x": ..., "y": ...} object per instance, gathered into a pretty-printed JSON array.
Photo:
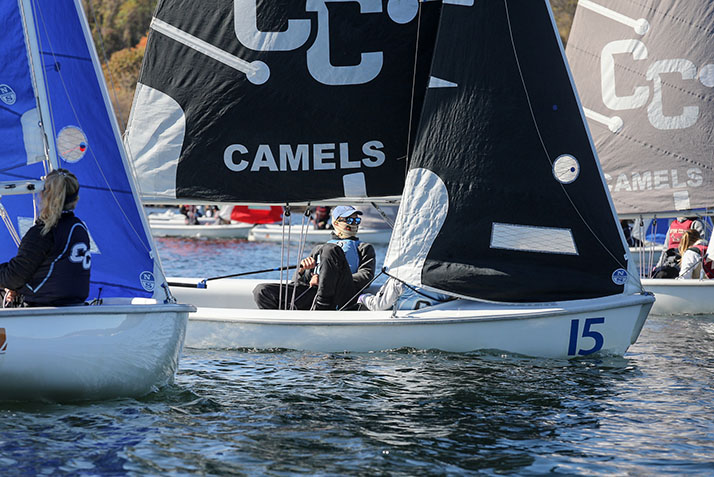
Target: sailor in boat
[
  {"x": 332, "y": 276},
  {"x": 668, "y": 263},
  {"x": 192, "y": 213},
  {"x": 322, "y": 218},
  {"x": 53, "y": 261},
  {"x": 694, "y": 262}
]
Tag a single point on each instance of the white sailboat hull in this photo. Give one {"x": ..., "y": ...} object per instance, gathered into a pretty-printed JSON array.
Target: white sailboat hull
[
  {"x": 238, "y": 231},
  {"x": 681, "y": 297},
  {"x": 274, "y": 233},
  {"x": 553, "y": 330},
  {"x": 171, "y": 224},
  {"x": 89, "y": 352}
]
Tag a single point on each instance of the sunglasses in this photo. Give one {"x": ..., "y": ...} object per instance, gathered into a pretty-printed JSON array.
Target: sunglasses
[{"x": 350, "y": 220}]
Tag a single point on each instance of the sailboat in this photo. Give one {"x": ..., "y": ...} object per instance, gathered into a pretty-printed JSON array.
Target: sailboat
[
  {"x": 55, "y": 112},
  {"x": 645, "y": 73},
  {"x": 469, "y": 107}
]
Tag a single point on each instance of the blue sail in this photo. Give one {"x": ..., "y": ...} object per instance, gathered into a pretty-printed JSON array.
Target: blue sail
[{"x": 81, "y": 128}]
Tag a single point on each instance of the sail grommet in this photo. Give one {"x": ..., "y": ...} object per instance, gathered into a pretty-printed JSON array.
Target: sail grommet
[
  {"x": 72, "y": 143},
  {"x": 566, "y": 169},
  {"x": 402, "y": 11},
  {"x": 260, "y": 73}
]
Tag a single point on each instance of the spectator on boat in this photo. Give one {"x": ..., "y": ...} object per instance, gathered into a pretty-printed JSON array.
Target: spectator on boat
[
  {"x": 322, "y": 218},
  {"x": 694, "y": 261},
  {"x": 678, "y": 227},
  {"x": 332, "y": 276},
  {"x": 52, "y": 264},
  {"x": 674, "y": 235},
  {"x": 192, "y": 214},
  {"x": 631, "y": 240}
]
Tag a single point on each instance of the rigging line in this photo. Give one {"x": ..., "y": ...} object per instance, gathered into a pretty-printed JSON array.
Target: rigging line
[
  {"x": 545, "y": 149},
  {"x": 384, "y": 216},
  {"x": 359, "y": 292},
  {"x": 45, "y": 139},
  {"x": 287, "y": 259},
  {"x": 411, "y": 99},
  {"x": 301, "y": 250},
  {"x": 106, "y": 60},
  {"x": 10, "y": 226},
  {"x": 142, "y": 239},
  {"x": 286, "y": 212}
]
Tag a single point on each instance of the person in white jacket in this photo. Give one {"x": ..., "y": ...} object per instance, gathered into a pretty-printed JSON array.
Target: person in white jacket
[
  {"x": 691, "y": 249},
  {"x": 393, "y": 291},
  {"x": 385, "y": 298}
]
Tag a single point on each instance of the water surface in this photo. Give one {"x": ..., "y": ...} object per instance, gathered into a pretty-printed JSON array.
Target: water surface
[{"x": 405, "y": 412}]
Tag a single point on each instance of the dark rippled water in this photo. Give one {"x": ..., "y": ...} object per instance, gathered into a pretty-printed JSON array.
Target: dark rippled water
[{"x": 393, "y": 413}]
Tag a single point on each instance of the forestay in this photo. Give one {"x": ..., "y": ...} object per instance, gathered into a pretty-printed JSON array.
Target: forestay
[
  {"x": 280, "y": 101},
  {"x": 645, "y": 71},
  {"x": 68, "y": 83},
  {"x": 505, "y": 199}
]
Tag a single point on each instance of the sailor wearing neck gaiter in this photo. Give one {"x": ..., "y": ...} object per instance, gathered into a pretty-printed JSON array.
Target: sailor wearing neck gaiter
[{"x": 334, "y": 273}]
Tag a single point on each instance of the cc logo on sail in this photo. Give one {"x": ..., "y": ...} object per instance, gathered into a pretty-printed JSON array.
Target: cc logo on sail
[{"x": 296, "y": 36}]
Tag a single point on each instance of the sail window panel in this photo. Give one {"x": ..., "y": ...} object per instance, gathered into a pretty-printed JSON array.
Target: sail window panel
[
  {"x": 526, "y": 238},
  {"x": 355, "y": 185}
]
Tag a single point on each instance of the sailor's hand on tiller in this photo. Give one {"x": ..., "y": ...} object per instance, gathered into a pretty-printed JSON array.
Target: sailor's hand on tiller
[{"x": 307, "y": 264}]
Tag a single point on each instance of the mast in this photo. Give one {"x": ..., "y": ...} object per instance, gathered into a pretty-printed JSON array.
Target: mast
[{"x": 38, "y": 80}]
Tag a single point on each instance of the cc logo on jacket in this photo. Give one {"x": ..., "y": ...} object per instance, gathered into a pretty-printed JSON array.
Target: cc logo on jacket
[{"x": 80, "y": 254}]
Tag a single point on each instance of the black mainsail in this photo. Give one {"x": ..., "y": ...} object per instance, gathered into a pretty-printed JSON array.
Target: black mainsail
[
  {"x": 278, "y": 101},
  {"x": 505, "y": 199},
  {"x": 645, "y": 72}
]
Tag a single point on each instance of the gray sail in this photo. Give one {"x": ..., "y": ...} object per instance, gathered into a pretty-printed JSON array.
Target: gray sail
[
  {"x": 645, "y": 73},
  {"x": 283, "y": 101},
  {"x": 504, "y": 199}
]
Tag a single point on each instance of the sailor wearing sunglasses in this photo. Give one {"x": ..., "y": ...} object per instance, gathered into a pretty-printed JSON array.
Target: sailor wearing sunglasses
[{"x": 332, "y": 275}]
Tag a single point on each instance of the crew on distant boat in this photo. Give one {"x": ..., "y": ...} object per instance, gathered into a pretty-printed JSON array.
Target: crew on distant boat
[
  {"x": 192, "y": 214},
  {"x": 631, "y": 240},
  {"x": 53, "y": 261},
  {"x": 670, "y": 257},
  {"x": 694, "y": 262},
  {"x": 678, "y": 227},
  {"x": 332, "y": 276},
  {"x": 322, "y": 218}
]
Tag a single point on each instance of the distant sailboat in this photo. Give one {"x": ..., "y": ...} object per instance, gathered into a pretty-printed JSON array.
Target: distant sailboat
[
  {"x": 504, "y": 207},
  {"x": 645, "y": 72},
  {"x": 55, "y": 112}
]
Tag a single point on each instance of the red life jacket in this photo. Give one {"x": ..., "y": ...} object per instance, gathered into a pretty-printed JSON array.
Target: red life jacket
[
  {"x": 675, "y": 232},
  {"x": 707, "y": 264}
]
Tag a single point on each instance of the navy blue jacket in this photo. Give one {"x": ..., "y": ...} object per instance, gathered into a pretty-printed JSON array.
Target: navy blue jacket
[{"x": 52, "y": 269}]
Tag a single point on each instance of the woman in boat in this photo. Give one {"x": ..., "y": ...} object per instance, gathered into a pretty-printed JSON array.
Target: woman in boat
[
  {"x": 52, "y": 264},
  {"x": 334, "y": 273},
  {"x": 670, "y": 257},
  {"x": 693, "y": 250}
]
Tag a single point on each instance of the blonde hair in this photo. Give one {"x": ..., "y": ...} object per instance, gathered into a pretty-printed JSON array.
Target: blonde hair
[
  {"x": 59, "y": 193},
  {"x": 689, "y": 238}
]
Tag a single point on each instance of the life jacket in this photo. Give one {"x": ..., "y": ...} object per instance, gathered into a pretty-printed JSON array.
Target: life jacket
[
  {"x": 707, "y": 264},
  {"x": 675, "y": 232},
  {"x": 351, "y": 249}
]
